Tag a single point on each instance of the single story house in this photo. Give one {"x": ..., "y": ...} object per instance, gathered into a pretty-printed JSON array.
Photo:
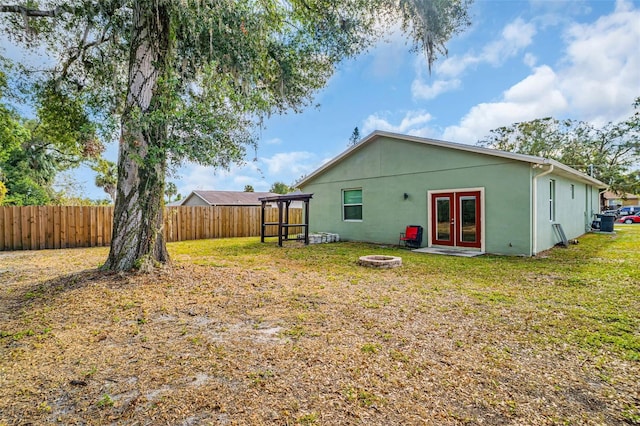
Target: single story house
[
  {"x": 614, "y": 200},
  {"x": 225, "y": 198},
  {"x": 464, "y": 196},
  {"x": 231, "y": 198}
]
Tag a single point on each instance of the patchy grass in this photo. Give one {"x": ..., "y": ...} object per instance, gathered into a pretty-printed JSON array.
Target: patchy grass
[{"x": 239, "y": 332}]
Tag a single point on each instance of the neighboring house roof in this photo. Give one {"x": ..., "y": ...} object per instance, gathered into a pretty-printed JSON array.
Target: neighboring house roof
[
  {"x": 558, "y": 167},
  {"x": 229, "y": 198},
  {"x": 615, "y": 196}
]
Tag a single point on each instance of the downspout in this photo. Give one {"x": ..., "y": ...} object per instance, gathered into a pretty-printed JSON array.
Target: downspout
[
  {"x": 534, "y": 192},
  {"x": 590, "y": 215},
  {"x": 599, "y": 199}
]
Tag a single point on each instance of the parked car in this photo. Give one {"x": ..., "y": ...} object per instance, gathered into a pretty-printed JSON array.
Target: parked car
[
  {"x": 629, "y": 210},
  {"x": 634, "y": 218}
]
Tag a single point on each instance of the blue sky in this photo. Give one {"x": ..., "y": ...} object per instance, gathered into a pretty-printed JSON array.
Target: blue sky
[{"x": 520, "y": 60}]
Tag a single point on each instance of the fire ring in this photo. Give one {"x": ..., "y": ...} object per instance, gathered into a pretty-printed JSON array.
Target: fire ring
[{"x": 377, "y": 261}]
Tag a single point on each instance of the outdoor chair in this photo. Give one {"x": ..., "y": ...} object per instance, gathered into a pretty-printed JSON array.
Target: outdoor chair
[{"x": 411, "y": 237}]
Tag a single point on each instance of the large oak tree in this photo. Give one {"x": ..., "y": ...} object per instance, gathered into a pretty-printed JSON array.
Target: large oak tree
[{"x": 189, "y": 79}]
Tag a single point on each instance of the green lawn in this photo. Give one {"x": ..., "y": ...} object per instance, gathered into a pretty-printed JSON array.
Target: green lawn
[{"x": 239, "y": 332}]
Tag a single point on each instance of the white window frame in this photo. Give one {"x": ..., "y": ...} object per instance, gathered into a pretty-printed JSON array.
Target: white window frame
[
  {"x": 552, "y": 200},
  {"x": 344, "y": 219}
]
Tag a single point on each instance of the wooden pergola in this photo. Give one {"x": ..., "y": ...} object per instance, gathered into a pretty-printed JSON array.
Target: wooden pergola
[{"x": 284, "y": 202}]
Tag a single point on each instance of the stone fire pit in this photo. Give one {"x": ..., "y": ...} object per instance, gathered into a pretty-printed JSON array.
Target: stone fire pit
[{"x": 378, "y": 261}]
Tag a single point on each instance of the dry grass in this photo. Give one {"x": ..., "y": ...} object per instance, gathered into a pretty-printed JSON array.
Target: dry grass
[{"x": 239, "y": 332}]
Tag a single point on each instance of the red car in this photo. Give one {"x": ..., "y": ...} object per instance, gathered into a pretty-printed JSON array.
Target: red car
[{"x": 630, "y": 219}]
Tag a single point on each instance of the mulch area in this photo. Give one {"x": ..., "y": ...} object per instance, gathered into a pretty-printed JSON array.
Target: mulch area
[{"x": 279, "y": 344}]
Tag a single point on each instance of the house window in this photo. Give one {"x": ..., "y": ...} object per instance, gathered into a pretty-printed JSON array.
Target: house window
[
  {"x": 573, "y": 192},
  {"x": 352, "y": 204},
  {"x": 552, "y": 200}
]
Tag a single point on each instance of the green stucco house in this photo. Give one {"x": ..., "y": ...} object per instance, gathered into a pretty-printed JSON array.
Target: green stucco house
[{"x": 464, "y": 196}]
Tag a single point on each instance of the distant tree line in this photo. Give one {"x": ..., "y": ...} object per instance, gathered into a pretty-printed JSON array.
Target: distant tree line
[{"x": 610, "y": 153}]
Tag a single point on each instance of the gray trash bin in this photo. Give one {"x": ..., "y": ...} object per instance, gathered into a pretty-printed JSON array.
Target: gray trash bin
[{"x": 606, "y": 222}]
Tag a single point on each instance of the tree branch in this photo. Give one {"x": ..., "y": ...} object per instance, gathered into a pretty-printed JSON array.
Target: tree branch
[{"x": 25, "y": 11}]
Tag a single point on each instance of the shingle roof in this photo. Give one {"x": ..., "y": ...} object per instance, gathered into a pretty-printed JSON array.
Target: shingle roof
[
  {"x": 231, "y": 198},
  {"x": 614, "y": 196}
]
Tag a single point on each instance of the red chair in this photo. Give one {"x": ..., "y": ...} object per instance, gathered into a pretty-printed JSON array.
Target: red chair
[{"x": 411, "y": 237}]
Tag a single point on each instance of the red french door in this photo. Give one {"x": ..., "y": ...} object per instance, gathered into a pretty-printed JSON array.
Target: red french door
[{"x": 455, "y": 219}]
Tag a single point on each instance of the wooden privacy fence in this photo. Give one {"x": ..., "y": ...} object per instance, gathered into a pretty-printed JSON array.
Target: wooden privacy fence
[{"x": 54, "y": 227}]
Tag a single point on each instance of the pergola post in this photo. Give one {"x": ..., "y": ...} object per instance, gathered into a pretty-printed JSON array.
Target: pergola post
[
  {"x": 262, "y": 225},
  {"x": 306, "y": 221},
  {"x": 284, "y": 203},
  {"x": 280, "y": 224}
]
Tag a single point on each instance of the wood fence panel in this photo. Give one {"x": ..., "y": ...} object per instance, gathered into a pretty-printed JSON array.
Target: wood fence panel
[
  {"x": 108, "y": 233},
  {"x": 41, "y": 221},
  {"x": 79, "y": 226},
  {"x": 206, "y": 225},
  {"x": 90, "y": 229},
  {"x": 99, "y": 227},
  {"x": 47, "y": 215},
  {"x": 217, "y": 220},
  {"x": 234, "y": 219},
  {"x": 186, "y": 219},
  {"x": 71, "y": 227},
  {"x": 55, "y": 227},
  {"x": 192, "y": 222},
  {"x": 3, "y": 231},
  {"x": 84, "y": 228},
  {"x": 166, "y": 230},
  {"x": 77, "y": 223},
  {"x": 25, "y": 221},
  {"x": 25, "y": 229}
]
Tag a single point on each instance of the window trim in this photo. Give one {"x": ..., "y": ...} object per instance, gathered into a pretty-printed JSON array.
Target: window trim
[
  {"x": 552, "y": 200},
  {"x": 350, "y": 205}
]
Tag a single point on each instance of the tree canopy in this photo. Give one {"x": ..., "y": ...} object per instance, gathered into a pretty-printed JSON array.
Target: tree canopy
[
  {"x": 355, "y": 137},
  {"x": 190, "y": 80},
  {"x": 107, "y": 176},
  {"x": 610, "y": 153},
  {"x": 281, "y": 188},
  {"x": 34, "y": 151}
]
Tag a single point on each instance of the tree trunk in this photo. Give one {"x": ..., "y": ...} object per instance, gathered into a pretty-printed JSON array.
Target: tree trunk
[{"x": 137, "y": 241}]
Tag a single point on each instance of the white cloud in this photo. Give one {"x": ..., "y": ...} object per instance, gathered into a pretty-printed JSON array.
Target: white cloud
[
  {"x": 413, "y": 123},
  {"x": 515, "y": 36},
  {"x": 421, "y": 90},
  {"x": 530, "y": 60},
  {"x": 601, "y": 74},
  {"x": 536, "y": 96},
  {"x": 456, "y": 65},
  {"x": 596, "y": 81},
  {"x": 290, "y": 162},
  {"x": 284, "y": 167},
  {"x": 387, "y": 57},
  {"x": 195, "y": 176},
  {"x": 273, "y": 141},
  {"x": 541, "y": 87}
]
